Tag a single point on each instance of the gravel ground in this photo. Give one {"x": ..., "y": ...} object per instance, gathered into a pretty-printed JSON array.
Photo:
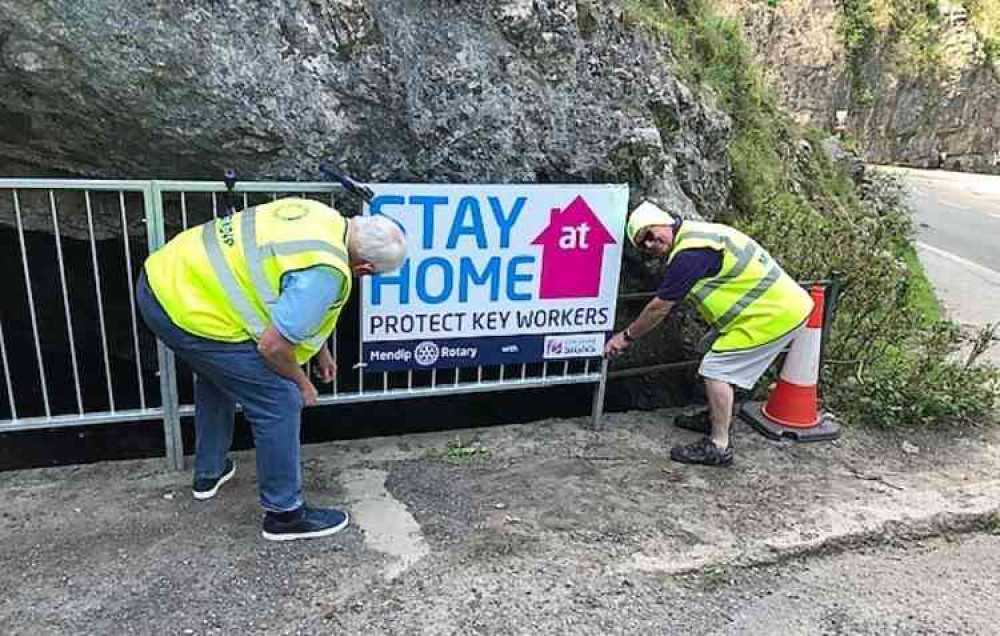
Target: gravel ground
[{"x": 555, "y": 529}]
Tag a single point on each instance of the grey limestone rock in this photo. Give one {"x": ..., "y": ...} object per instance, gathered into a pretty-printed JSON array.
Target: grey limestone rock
[{"x": 435, "y": 91}]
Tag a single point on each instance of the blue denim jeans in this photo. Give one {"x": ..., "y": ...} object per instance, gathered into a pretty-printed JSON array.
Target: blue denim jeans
[{"x": 230, "y": 373}]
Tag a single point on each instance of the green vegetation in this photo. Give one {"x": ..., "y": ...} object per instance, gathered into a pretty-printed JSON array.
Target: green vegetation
[
  {"x": 908, "y": 32},
  {"x": 993, "y": 525},
  {"x": 890, "y": 361},
  {"x": 713, "y": 576},
  {"x": 922, "y": 297},
  {"x": 858, "y": 32},
  {"x": 914, "y": 34},
  {"x": 458, "y": 450},
  {"x": 985, "y": 18}
]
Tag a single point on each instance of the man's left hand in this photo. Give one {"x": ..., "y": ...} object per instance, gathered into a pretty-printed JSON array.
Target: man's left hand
[
  {"x": 616, "y": 346},
  {"x": 326, "y": 366}
]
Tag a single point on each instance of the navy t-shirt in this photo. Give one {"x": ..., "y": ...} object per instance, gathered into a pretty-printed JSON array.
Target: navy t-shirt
[{"x": 686, "y": 269}]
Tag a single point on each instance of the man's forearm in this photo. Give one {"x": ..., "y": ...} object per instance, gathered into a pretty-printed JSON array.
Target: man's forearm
[
  {"x": 279, "y": 354},
  {"x": 284, "y": 364},
  {"x": 652, "y": 314}
]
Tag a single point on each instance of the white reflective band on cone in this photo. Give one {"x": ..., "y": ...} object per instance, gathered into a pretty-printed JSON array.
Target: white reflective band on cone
[{"x": 802, "y": 364}]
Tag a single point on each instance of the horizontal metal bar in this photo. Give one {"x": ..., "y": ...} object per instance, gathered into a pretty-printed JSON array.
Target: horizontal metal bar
[
  {"x": 247, "y": 186},
  {"x": 656, "y": 368},
  {"x": 167, "y": 186},
  {"x": 470, "y": 387},
  {"x": 72, "y": 184},
  {"x": 66, "y": 421},
  {"x": 667, "y": 366},
  {"x": 187, "y": 410},
  {"x": 189, "y": 186},
  {"x": 636, "y": 295},
  {"x": 650, "y": 294}
]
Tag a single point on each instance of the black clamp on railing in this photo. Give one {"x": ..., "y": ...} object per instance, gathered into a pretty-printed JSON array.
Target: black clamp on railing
[
  {"x": 359, "y": 190},
  {"x": 229, "y": 197}
]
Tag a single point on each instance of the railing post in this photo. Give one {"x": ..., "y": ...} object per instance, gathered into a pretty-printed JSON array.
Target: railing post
[
  {"x": 172, "y": 440},
  {"x": 832, "y": 298},
  {"x": 598, "y": 408},
  {"x": 831, "y": 295}
]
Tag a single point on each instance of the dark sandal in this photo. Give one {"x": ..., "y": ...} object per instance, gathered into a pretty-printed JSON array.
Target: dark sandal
[{"x": 704, "y": 451}]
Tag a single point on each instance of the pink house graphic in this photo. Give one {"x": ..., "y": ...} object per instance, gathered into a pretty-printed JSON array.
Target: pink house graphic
[{"x": 572, "y": 252}]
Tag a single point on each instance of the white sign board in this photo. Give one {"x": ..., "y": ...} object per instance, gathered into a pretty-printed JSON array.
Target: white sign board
[{"x": 492, "y": 270}]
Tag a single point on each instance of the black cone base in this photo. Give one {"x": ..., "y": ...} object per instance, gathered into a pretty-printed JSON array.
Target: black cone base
[{"x": 826, "y": 430}]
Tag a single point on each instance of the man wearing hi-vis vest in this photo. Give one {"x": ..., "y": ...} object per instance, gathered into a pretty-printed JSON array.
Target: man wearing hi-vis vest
[
  {"x": 245, "y": 300},
  {"x": 751, "y": 303}
]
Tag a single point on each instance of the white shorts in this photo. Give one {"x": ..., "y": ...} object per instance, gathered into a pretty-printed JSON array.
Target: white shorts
[{"x": 743, "y": 368}]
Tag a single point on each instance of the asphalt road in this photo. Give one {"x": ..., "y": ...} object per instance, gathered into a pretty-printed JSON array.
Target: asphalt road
[
  {"x": 939, "y": 586},
  {"x": 958, "y": 214},
  {"x": 958, "y": 241}
]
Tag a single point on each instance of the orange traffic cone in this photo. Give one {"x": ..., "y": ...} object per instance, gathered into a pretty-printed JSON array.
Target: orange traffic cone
[{"x": 792, "y": 410}]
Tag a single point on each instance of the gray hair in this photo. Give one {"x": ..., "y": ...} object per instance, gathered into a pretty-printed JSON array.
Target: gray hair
[{"x": 378, "y": 240}]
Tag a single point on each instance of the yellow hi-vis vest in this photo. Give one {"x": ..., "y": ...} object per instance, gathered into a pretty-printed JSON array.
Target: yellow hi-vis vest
[
  {"x": 219, "y": 280},
  {"x": 751, "y": 301}
]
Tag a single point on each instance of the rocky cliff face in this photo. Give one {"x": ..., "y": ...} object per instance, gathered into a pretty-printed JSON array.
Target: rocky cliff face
[
  {"x": 948, "y": 118},
  {"x": 437, "y": 91}
]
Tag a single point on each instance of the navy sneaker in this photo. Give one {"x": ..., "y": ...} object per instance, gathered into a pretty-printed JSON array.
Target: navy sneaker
[
  {"x": 206, "y": 488},
  {"x": 704, "y": 451},
  {"x": 304, "y": 523}
]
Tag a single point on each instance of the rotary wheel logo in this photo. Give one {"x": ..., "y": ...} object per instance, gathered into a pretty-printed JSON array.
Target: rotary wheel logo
[{"x": 426, "y": 353}]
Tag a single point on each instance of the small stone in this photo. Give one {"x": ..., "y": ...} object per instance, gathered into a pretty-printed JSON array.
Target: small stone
[{"x": 500, "y": 506}]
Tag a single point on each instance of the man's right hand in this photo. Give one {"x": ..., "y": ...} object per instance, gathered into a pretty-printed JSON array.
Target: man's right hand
[
  {"x": 616, "y": 346},
  {"x": 309, "y": 393},
  {"x": 279, "y": 355}
]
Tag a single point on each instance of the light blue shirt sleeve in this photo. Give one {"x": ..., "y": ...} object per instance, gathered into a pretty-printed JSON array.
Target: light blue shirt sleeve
[{"x": 305, "y": 298}]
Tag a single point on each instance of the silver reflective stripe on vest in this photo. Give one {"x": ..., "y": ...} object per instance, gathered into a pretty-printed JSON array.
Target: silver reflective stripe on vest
[
  {"x": 254, "y": 260},
  {"x": 288, "y": 248},
  {"x": 228, "y": 280},
  {"x": 255, "y": 254},
  {"x": 743, "y": 257},
  {"x": 758, "y": 290}
]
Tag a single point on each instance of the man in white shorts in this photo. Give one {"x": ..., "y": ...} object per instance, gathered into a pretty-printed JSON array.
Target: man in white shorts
[{"x": 753, "y": 305}]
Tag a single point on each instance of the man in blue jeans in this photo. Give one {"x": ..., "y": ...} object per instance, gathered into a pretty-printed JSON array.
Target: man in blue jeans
[{"x": 245, "y": 300}]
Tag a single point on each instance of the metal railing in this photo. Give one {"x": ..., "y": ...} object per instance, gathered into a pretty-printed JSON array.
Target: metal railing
[
  {"x": 112, "y": 377},
  {"x": 160, "y": 209},
  {"x": 120, "y": 199}
]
